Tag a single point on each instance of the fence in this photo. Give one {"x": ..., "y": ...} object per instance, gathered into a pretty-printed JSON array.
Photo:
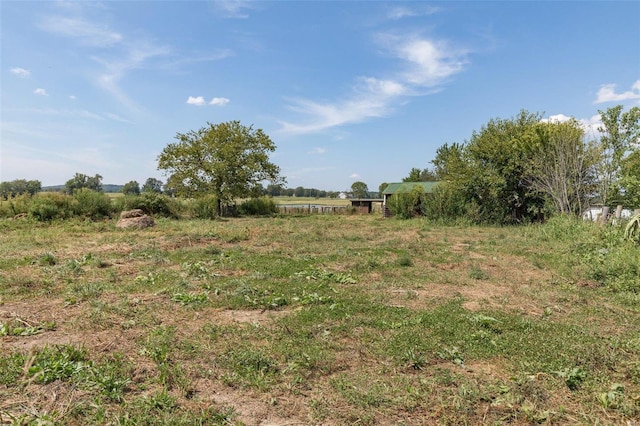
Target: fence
[{"x": 317, "y": 209}]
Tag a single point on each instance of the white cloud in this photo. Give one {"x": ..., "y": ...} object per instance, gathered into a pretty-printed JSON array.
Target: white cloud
[
  {"x": 428, "y": 65},
  {"x": 20, "y": 72},
  {"x": 40, "y": 91},
  {"x": 199, "y": 101},
  {"x": 431, "y": 62},
  {"x": 219, "y": 101},
  {"x": 589, "y": 125},
  {"x": 607, "y": 93},
  {"x": 73, "y": 97},
  {"x": 355, "y": 176}
]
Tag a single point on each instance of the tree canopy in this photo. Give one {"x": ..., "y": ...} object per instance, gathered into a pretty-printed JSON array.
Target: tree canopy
[
  {"x": 228, "y": 160},
  {"x": 359, "y": 189},
  {"x": 79, "y": 181}
]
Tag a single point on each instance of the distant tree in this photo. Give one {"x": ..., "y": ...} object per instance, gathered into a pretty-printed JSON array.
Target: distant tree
[
  {"x": 289, "y": 192},
  {"x": 18, "y": 187},
  {"x": 359, "y": 189},
  {"x": 299, "y": 191},
  {"x": 131, "y": 188},
  {"x": 274, "y": 190},
  {"x": 152, "y": 185},
  {"x": 227, "y": 160},
  {"x": 382, "y": 187},
  {"x": 83, "y": 181}
]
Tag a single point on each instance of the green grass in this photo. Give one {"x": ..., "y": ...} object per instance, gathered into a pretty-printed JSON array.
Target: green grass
[{"x": 318, "y": 320}]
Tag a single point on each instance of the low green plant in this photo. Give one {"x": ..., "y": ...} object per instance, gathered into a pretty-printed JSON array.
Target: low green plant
[
  {"x": 60, "y": 362},
  {"x": 632, "y": 230}
]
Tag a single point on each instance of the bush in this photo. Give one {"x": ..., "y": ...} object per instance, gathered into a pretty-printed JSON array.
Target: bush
[
  {"x": 92, "y": 204},
  {"x": 47, "y": 207},
  {"x": 205, "y": 207},
  {"x": 445, "y": 203},
  {"x": 15, "y": 205},
  {"x": 258, "y": 207},
  {"x": 406, "y": 205},
  {"x": 151, "y": 203}
]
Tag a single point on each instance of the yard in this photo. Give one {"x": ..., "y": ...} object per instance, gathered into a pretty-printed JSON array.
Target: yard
[{"x": 317, "y": 320}]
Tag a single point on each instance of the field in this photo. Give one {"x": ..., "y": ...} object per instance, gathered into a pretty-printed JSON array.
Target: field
[{"x": 316, "y": 320}]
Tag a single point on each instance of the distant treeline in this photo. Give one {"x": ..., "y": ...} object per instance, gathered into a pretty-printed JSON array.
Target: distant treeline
[{"x": 110, "y": 188}]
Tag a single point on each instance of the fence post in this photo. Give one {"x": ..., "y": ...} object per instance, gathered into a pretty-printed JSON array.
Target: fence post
[{"x": 605, "y": 215}]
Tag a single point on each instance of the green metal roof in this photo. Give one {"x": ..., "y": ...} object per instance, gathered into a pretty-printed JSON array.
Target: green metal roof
[{"x": 393, "y": 188}]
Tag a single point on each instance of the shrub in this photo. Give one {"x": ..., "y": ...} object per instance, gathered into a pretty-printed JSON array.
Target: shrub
[
  {"x": 205, "y": 207},
  {"x": 15, "y": 205},
  {"x": 92, "y": 204},
  {"x": 151, "y": 203},
  {"x": 408, "y": 204},
  {"x": 445, "y": 203},
  {"x": 258, "y": 207},
  {"x": 47, "y": 207}
]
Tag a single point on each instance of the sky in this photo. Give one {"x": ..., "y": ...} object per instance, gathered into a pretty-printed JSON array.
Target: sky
[{"x": 348, "y": 91}]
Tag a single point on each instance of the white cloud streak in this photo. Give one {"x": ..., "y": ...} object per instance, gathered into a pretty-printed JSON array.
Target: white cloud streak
[
  {"x": 40, "y": 91},
  {"x": 607, "y": 93},
  {"x": 402, "y": 12},
  {"x": 199, "y": 101},
  {"x": 318, "y": 151},
  {"x": 428, "y": 65},
  {"x": 20, "y": 72}
]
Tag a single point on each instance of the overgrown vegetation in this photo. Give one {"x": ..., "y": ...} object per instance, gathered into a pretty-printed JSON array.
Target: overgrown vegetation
[{"x": 318, "y": 320}]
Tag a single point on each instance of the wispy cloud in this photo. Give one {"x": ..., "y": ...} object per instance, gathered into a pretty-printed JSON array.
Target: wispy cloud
[
  {"x": 20, "y": 72},
  {"x": 237, "y": 9},
  {"x": 607, "y": 93},
  {"x": 428, "y": 64},
  {"x": 355, "y": 176},
  {"x": 318, "y": 151},
  {"x": 40, "y": 91},
  {"x": 87, "y": 32},
  {"x": 400, "y": 12}
]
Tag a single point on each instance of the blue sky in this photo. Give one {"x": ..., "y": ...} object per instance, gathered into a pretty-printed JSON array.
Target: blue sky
[{"x": 347, "y": 90}]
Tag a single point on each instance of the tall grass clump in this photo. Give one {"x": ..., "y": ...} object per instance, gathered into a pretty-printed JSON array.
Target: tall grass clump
[
  {"x": 598, "y": 253},
  {"x": 262, "y": 206}
]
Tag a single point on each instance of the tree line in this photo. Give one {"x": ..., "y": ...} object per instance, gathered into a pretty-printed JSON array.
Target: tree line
[{"x": 525, "y": 169}]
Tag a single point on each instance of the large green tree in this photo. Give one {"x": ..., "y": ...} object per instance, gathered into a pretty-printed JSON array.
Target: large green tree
[
  {"x": 228, "y": 160},
  {"x": 620, "y": 139},
  {"x": 490, "y": 170},
  {"x": 561, "y": 166}
]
